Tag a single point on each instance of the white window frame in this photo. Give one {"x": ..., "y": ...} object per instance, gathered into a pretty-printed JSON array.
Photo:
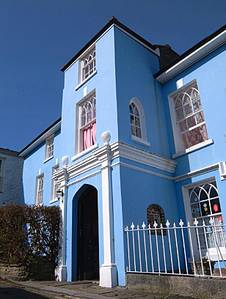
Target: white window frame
[
  {"x": 89, "y": 53},
  {"x": 179, "y": 145},
  {"x": 55, "y": 183},
  {"x": 143, "y": 138},
  {"x": 49, "y": 148},
  {"x": 39, "y": 192},
  {"x": 79, "y": 127},
  {"x": 212, "y": 252},
  {"x": 2, "y": 170}
]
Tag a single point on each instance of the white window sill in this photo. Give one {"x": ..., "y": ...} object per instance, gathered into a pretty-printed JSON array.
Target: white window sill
[
  {"x": 79, "y": 155},
  {"x": 194, "y": 148},
  {"x": 140, "y": 140},
  {"x": 83, "y": 82},
  {"x": 54, "y": 200},
  {"x": 46, "y": 160}
]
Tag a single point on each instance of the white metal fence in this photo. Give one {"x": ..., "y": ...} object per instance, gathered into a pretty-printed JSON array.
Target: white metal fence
[{"x": 197, "y": 249}]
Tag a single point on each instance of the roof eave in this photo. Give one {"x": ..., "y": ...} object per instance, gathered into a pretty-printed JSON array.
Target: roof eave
[
  {"x": 121, "y": 26},
  {"x": 192, "y": 57},
  {"x": 41, "y": 138}
]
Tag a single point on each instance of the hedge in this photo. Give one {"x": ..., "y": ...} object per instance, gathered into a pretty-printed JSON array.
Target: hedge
[{"x": 29, "y": 234}]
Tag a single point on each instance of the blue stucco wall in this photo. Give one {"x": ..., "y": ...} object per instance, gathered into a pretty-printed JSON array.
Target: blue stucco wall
[
  {"x": 125, "y": 70},
  {"x": 135, "y": 66},
  {"x": 34, "y": 165}
]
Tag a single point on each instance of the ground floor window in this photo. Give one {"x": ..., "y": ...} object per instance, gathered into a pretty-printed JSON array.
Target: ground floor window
[{"x": 205, "y": 207}]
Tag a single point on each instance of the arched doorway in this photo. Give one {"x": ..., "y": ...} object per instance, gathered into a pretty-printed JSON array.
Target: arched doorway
[{"x": 87, "y": 235}]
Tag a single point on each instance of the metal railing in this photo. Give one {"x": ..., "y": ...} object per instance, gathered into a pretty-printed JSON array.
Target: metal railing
[{"x": 197, "y": 249}]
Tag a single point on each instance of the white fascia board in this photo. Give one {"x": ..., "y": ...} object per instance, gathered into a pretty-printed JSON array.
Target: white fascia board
[
  {"x": 193, "y": 57},
  {"x": 41, "y": 139}
]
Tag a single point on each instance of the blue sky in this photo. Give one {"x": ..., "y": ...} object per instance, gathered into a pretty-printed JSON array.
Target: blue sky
[{"x": 40, "y": 36}]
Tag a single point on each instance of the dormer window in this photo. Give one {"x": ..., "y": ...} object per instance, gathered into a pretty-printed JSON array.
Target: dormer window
[
  {"x": 87, "y": 123},
  {"x": 49, "y": 147},
  {"x": 88, "y": 64}
]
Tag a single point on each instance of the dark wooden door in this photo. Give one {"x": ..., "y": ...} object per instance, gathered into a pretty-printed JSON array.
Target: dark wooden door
[{"x": 88, "y": 248}]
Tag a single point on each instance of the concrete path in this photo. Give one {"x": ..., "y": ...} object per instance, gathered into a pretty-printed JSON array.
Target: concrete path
[{"x": 81, "y": 290}]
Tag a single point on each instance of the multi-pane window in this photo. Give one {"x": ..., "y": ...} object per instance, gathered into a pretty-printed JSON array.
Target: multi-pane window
[
  {"x": 88, "y": 64},
  {"x": 55, "y": 183},
  {"x": 49, "y": 147},
  {"x": 189, "y": 116},
  {"x": 39, "y": 189},
  {"x": 135, "y": 122},
  {"x": 87, "y": 122},
  {"x": 205, "y": 205},
  {"x": 1, "y": 176}
]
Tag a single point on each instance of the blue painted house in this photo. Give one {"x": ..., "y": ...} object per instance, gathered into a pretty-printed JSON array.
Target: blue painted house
[{"x": 142, "y": 137}]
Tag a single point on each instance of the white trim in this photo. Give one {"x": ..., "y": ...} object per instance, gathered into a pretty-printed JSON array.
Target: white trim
[
  {"x": 129, "y": 152},
  {"x": 130, "y": 166},
  {"x": 50, "y": 158},
  {"x": 192, "y": 58},
  {"x": 156, "y": 52},
  {"x": 194, "y": 148},
  {"x": 87, "y": 79},
  {"x": 79, "y": 155},
  {"x": 140, "y": 140},
  {"x": 84, "y": 178},
  {"x": 143, "y": 129},
  {"x": 41, "y": 139},
  {"x": 197, "y": 172}
]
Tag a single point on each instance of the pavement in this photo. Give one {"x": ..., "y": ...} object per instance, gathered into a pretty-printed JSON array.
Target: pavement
[{"x": 76, "y": 290}]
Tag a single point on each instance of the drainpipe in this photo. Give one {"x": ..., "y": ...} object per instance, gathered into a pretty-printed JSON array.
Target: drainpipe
[{"x": 108, "y": 270}]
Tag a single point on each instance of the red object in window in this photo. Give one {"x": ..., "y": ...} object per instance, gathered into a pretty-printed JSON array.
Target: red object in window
[{"x": 216, "y": 208}]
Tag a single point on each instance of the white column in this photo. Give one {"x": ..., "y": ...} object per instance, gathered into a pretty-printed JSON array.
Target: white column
[
  {"x": 108, "y": 270},
  {"x": 62, "y": 268}
]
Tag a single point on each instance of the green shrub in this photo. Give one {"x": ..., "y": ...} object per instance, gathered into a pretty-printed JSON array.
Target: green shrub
[{"x": 28, "y": 233}]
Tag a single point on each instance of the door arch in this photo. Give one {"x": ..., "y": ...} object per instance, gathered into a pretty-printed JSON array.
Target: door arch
[{"x": 87, "y": 234}]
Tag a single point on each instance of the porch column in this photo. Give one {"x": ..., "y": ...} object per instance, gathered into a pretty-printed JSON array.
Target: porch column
[
  {"x": 108, "y": 270},
  {"x": 62, "y": 269}
]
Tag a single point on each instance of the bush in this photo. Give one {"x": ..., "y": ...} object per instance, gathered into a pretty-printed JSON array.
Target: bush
[{"x": 29, "y": 234}]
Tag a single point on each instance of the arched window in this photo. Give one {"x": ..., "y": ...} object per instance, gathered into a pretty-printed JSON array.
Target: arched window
[
  {"x": 155, "y": 214},
  {"x": 87, "y": 123},
  {"x": 137, "y": 122},
  {"x": 205, "y": 206},
  {"x": 189, "y": 116}
]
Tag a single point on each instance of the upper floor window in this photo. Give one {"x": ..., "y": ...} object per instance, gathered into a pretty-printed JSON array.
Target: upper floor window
[
  {"x": 87, "y": 122},
  {"x": 39, "y": 189},
  {"x": 1, "y": 175},
  {"x": 189, "y": 117},
  {"x": 55, "y": 183},
  {"x": 49, "y": 147},
  {"x": 88, "y": 64},
  {"x": 137, "y": 122}
]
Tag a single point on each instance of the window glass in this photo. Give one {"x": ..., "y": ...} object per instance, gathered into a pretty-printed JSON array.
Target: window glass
[
  {"x": 87, "y": 126},
  {"x": 189, "y": 116},
  {"x": 88, "y": 64}
]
